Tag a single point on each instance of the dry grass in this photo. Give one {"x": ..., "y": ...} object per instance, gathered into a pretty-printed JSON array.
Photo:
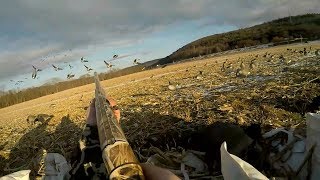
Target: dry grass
[{"x": 273, "y": 94}]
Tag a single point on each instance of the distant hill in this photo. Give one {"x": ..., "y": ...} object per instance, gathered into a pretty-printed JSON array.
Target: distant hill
[{"x": 277, "y": 31}]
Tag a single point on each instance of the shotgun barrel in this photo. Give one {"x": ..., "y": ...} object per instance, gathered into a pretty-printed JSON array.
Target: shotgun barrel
[{"x": 118, "y": 156}]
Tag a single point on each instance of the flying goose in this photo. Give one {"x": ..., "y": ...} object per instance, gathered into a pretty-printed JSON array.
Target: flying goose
[
  {"x": 108, "y": 64},
  {"x": 83, "y": 60},
  {"x": 136, "y": 62},
  {"x": 56, "y": 68},
  {"x": 88, "y": 69}
]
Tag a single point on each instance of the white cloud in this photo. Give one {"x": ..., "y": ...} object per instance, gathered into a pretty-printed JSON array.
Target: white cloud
[{"x": 31, "y": 29}]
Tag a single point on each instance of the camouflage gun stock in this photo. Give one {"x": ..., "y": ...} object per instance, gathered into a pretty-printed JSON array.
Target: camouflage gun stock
[{"x": 117, "y": 154}]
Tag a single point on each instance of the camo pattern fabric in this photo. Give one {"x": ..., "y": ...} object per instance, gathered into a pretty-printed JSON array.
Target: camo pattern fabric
[{"x": 88, "y": 163}]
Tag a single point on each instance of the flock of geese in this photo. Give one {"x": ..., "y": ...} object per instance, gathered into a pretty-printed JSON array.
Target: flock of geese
[
  {"x": 242, "y": 70},
  {"x": 245, "y": 70},
  {"x": 35, "y": 70}
]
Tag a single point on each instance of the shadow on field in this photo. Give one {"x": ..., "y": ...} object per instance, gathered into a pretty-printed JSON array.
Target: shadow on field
[
  {"x": 2, "y": 158},
  {"x": 143, "y": 129},
  {"x": 149, "y": 129},
  {"x": 27, "y": 152}
]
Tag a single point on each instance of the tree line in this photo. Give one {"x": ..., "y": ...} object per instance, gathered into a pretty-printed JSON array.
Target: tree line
[{"x": 13, "y": 96}]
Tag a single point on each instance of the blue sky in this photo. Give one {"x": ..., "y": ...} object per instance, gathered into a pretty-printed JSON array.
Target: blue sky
[{"x": 61, "y": 32}]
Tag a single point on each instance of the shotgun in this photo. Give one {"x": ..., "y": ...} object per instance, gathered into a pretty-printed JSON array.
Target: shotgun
[{"x": 118, "y": 156}]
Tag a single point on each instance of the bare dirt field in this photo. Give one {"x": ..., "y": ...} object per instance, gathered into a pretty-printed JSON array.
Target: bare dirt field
[{"x": 275, "y": 90}]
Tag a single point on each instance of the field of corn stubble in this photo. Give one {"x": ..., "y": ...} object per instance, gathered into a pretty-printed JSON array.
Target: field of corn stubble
[{"x": 273, "y": 86}]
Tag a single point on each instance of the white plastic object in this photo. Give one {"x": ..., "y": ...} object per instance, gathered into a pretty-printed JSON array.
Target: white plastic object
[
  {"x": 292, "y": 158},
  {"x": 234, "y": 168},
  {"x": 274, "y": 132},
  {"x": 20, "y": 175},
  {"x": 313, "y": 137},
  {"x": 193, "y": 161},
  {"x": 56, "y": 167}
]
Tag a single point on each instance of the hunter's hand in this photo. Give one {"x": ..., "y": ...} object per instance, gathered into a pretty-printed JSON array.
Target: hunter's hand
[
  {"x": 91, "y": 112},
  {"x": 151, "y": 172}
]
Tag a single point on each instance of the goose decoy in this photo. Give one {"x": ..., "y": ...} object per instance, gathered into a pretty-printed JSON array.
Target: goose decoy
[
  {"x": 265, "y": 55},
  {"x": 252, "y": 64},
  {"x": 241, "y": 65},
  {"x": 171, "y": 87},
  {"x": 200, "y": 75},
  {"x": 317, "y": 52},
  {"x": 223, "y": 68}
]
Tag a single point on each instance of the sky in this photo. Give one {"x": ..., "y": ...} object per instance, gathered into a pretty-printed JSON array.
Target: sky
[{"x": 60, "y": 32}]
